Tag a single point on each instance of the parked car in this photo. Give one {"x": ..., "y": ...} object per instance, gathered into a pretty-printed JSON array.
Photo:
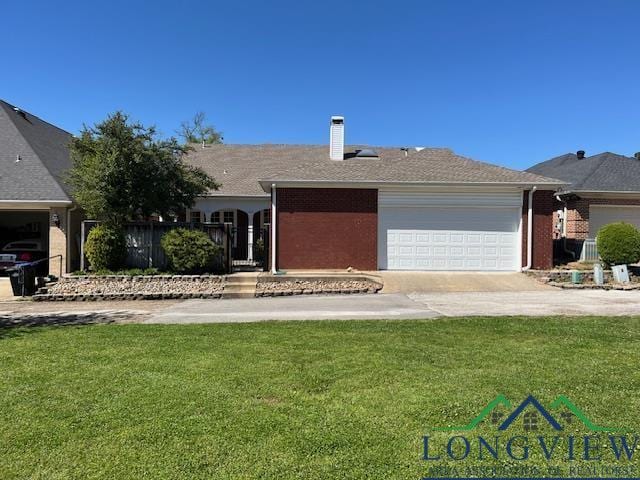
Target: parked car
[
  {"x": 7, "y": 260},
  {"x": 24, "y": 251}
]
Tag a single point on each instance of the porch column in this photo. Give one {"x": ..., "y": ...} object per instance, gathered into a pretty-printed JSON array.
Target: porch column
[
  {"x": 250, "y": 239},
  {"x": 250, "y": 214}
]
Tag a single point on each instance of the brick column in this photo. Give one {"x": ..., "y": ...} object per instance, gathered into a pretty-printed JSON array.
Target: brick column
[{"x": 58, "y": 240}]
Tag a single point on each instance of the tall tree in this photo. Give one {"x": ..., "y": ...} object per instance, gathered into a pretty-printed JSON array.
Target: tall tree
[
  {"x": 196, "y": 130},
  {"x": 121, "y": 172}
]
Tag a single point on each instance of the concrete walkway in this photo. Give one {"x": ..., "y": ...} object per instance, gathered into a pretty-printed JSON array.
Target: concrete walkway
[{"x": 302, "y": 307}]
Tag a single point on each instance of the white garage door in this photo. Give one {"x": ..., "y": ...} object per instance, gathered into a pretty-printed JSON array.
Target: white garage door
[
  {"x": 428, "y": 236},
  {"x": 600, "y": 215}
]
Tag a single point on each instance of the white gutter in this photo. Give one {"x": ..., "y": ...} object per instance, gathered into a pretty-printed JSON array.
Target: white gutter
[
  {"x": 529, "y": 230},
  {"x": 33, "y": 204},
  {"x": 377, "y": 184},
  {"x": 273, "y": 229}
]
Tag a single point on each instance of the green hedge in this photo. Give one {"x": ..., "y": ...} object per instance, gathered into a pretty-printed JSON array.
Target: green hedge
[
  {"x": 619, "y": 243},
  {"x": 189, "y": 251},
  {"x": 106, "y": 248}
]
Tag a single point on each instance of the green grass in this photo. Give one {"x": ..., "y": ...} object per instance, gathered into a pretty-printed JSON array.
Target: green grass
[{"x": 308, "y": 400}]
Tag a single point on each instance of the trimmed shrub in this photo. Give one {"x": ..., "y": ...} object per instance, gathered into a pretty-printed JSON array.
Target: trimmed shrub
[
  {"x": 619, "y": 243},
  {"x": 189, "y": 251},
  {"x": 106, "y": 248}
]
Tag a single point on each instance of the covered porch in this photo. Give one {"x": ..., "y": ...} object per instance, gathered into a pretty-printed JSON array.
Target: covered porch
[{"x": 249, "y": 218}]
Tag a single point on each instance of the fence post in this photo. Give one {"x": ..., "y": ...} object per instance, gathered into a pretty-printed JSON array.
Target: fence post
[
  {"x": 150, "y": 257},
  {"x": 82, "y": 245}
]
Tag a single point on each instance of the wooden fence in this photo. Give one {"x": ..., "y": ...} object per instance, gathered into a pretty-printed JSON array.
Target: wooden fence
[{"x": 143, "y": 242}]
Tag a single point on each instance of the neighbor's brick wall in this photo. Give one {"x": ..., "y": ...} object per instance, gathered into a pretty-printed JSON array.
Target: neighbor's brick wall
[
  {"x": 578, "y": 214},
  {"x": 543, "y": 206},
  {"x": 327, "y": 228}
]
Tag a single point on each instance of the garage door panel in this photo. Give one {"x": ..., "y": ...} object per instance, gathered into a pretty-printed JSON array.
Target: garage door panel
[
  {"x": 461, "y": 241},
  {"x": 600, "y": 216}
]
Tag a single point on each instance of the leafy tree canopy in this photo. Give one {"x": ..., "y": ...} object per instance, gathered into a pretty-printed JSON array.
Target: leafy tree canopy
[
  {"x": 122, "y": 172},
  {"x": 196, "y": 130}
]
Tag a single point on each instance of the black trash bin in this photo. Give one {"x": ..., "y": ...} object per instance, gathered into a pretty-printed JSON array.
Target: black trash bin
[
  {"x": 23, "y": 280},
  {"x": 29, "y": 279},
  {"x": 15, "y": 275}
]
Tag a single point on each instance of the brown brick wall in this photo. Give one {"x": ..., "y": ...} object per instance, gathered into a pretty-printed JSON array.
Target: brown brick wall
[
  {"x": 327, "y": 228},
  {"x": 58, "y": 241},
  {"x": 543, "y": 206},
  {"x": 578, "y": 214}
]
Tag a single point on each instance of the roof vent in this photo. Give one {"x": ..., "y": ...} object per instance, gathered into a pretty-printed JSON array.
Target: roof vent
[
  {"x": 336, "y": 138},
  {"x": 637, "y": 155},
  {"x": 20, "y": 112},
  {"x": 366, "y": 153},
  {"x": 580, "y": 154}
]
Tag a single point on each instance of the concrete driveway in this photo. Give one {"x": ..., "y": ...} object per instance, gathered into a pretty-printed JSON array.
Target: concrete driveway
[
  {"x": 400, "y": 306},
  {"x": 430, "y": 282}
]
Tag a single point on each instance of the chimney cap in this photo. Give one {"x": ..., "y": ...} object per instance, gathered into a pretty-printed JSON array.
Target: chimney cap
[{"x": 580, "y": 154}]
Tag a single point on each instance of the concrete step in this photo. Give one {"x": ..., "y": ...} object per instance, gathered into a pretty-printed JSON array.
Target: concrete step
[
  {"x": 241, "y": 285},
  {"x": 241, "y": 281},
  {"x": 238, "y": 294},
  {"x": 240, "y": 288}
]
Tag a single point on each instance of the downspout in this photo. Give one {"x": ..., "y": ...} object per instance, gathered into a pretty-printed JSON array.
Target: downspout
[
  {"x": 69, "y": 237},
  {"x": 529, "y": 229},
  {"x": 273, "y": 229}
]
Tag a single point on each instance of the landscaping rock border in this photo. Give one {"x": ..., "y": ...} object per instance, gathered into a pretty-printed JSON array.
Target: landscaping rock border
[
  {"x": 593, "y": 286},
  {"x": 562, "y": 279},
  {"x": 123, "y": 287},
  {"x": 274, "y": 286}
]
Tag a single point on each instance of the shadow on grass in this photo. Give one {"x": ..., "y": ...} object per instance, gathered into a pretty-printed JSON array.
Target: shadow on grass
[{"x": 15, "y": 324}]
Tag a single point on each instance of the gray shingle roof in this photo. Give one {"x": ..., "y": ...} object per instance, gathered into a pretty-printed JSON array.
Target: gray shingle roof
[
  {"x": 44, "y": 157},
  {"x": 240, "y": 168},
  {"x": 606, "y": 172}
]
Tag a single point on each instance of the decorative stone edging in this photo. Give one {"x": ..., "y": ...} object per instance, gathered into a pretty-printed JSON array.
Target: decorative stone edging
[
  {"x": 562, "y": 279},
  {"x": 593, "y": 286},
  {"x": 122, "y": 287},
  {"x": 272, "y": 286},
  {"x": 155, "y": 287},
  {"x": 560, "y": 276}
]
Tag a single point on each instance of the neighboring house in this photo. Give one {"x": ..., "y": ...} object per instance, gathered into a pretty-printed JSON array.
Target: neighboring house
[
  {"x": 370, "y": 208},
  {"x": 35, "y": 203},
  {"x": 600, "y": 189}
]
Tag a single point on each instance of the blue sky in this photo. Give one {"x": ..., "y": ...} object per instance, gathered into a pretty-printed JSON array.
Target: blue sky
[{"x": 510, "y": 82}]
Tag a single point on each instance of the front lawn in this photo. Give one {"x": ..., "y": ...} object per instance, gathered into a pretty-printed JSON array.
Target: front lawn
[{"x": 312, "y": 400}]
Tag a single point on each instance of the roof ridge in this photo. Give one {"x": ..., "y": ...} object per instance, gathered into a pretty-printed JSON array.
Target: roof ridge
[{"x": 322, "y": 145}]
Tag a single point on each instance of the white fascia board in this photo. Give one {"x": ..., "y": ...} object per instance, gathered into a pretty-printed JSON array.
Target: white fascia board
[
  {"x": 601, "y": 194},
  {"x": 266, "y": 184},
  {"x": 33, "y": 204},
  {"x": 228, "y": 195}
]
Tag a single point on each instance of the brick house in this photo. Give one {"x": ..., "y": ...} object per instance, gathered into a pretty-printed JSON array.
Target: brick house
[
  {"x": 600, "y": 189},
  {"x": 338, "y": 206},
  {"x": 35, "y": 203}
]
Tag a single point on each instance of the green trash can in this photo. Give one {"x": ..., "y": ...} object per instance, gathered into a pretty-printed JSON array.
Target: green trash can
[{"x": 576, "y": 277}]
